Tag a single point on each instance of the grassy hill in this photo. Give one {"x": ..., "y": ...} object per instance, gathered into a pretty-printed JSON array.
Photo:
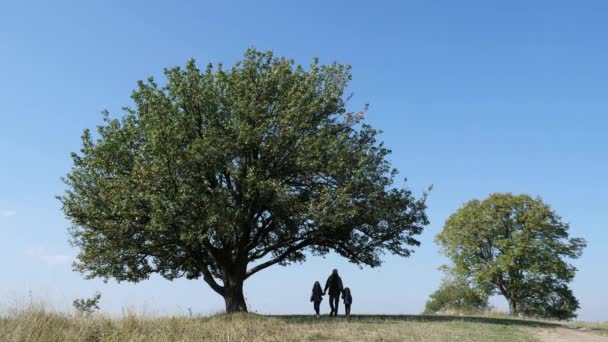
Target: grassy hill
[{"x": 38, "y": 325}]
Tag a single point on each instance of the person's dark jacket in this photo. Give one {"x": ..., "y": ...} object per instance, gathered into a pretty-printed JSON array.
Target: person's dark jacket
[
  {"x": 317, "y": 293},
  {"x": 334, "y": 284}
]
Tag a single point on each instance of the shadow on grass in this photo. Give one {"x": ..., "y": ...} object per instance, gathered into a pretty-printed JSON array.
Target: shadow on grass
[{"x": 375, "y": 319}]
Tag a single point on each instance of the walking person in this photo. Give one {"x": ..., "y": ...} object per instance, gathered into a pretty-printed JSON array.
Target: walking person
[
  {"x": 348, "y": 300},
  {"x": 317, "y": 296},
  {"x": 334, "y": 285}
]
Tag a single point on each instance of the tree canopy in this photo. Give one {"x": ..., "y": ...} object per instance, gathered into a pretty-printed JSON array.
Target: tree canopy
[
  {"x": 456, "y": 294},
  {"x": 221, "y": 173},
  {"x": 519, "y": 247}
]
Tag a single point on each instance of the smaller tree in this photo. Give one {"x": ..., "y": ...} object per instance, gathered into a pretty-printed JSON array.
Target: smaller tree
[
  {"x": 87, "y": 306},
  {"x": 519, "y": 247},
  {"x": 457, "y": 295}
]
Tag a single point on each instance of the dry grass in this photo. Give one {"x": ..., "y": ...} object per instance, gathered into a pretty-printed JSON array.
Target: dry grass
[
  {"x": 600, "y": 328},
  {"x": 41, "y": 325}
]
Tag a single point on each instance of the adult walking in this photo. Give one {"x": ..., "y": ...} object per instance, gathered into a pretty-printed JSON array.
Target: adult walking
[{"x": 334, "y": 285}]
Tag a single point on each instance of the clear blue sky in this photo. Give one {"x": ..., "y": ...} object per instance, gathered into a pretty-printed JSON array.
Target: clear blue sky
[{"x": 473, "y": 97}]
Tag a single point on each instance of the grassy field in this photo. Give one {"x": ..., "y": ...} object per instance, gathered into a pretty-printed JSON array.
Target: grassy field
[{"x": 38, "y": 325}]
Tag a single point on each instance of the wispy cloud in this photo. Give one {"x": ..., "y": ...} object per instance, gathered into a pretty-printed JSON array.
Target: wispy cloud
[
  {"x": 40, "y": 252},
  {"x": 35, "y": 250},
  {"x": 58, "y": 259},
  {"x": 7, "y": 213}
]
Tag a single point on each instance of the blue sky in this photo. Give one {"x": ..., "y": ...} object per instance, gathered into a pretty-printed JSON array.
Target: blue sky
[{"x": 473, "y": 97}]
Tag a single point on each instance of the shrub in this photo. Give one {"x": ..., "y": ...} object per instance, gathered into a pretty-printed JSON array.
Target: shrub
[
  {"x": 456, "y": 295},
  {"x": 87, "y": 306}
]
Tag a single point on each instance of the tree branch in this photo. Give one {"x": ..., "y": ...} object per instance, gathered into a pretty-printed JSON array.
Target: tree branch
[
  {"x": 208, "y": 277},
  {"x": 278, "y": 259},
  {"x": 260, "y": 234}
]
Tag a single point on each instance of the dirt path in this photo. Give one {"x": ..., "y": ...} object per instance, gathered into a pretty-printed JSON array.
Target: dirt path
[{"x": 567, "y": 335}]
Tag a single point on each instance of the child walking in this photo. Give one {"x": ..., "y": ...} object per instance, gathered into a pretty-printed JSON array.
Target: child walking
[
  {"x": 317, "y": 296},
  {"x": 348, "y": 300}
]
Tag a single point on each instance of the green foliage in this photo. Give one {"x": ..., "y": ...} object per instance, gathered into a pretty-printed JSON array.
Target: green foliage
[
  {"x": 222, "y": 168},
  {"x": 549, "y": 301},
  {"x": 456, "y": 295},
  {"x": 519, "y": 247},
  {"x": 87, "y": 306}
]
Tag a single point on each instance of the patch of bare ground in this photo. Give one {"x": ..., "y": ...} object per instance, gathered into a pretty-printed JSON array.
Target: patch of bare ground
[{"x": 567, "y": 335}]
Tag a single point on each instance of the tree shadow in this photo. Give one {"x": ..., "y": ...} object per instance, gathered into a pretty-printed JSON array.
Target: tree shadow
[{"x": 375, "y": 319}]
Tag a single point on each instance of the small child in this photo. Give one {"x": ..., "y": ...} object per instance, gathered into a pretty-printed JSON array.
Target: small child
[
  {"x": 348, "y": 300},
  {"x": 317, "y": 296}
]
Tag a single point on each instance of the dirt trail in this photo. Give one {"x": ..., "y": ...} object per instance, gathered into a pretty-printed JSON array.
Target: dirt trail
[{"x": 567, "y": 335}]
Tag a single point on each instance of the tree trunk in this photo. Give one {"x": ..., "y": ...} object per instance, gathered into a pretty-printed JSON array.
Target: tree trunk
[
  {"x": 513, "y": 307},
  {"x": 234, "y": 298}
]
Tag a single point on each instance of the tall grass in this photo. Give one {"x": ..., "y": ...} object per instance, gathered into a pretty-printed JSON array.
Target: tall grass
[
  {"x": 39, "y": 324},
  {"x": 42, "y": 325}
]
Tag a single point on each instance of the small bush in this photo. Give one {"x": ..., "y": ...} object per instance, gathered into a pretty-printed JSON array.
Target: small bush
[
  {"x": 87, "y": 306},
  {"x": 458, "y": 296}
]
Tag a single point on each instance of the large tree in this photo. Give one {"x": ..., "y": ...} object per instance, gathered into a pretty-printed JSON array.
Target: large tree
[
  {"x": 517, "y": 246},
  {"x": 222, "y": 173}
]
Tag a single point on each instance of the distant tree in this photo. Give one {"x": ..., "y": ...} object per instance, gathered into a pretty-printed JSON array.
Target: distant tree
[
  {"x": 519, "y": 247},
  {"x": 87, "y": 306},
  {"x": 220, "y": 174},
  {"x": 458, "y": 295}
]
